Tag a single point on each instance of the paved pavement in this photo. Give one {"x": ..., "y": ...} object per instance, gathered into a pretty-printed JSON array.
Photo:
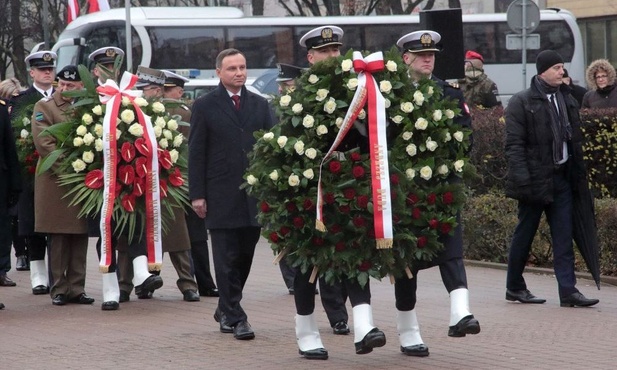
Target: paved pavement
[{"x": 168, "y": 333}]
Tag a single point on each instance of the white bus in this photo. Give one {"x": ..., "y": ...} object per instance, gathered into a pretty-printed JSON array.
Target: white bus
[{"x": 189, "y": 38}]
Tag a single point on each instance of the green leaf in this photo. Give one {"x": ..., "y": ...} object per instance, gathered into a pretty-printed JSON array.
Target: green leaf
[{"x": 49, "y": 160}]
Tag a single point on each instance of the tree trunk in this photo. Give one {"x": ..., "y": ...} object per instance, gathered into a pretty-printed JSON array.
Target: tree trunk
[{"x": 19, "y": 52}]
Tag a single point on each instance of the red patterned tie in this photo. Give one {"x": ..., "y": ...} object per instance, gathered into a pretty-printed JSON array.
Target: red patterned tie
[{"x": 236, "y": 100}]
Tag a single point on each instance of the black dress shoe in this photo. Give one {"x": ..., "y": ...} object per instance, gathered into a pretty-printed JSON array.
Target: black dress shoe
[
  {"x": 340, "y": 328},
  {"x": 209, "y": 292},
  {"x": 314, "y": 354},
  {"x": 124, "y": 296},
  {"x": 152, "y": 283},
  {"x": 418, "y": 350},
  {"x": 577, "y": 299},
  {"x": 1, "y": 306},
  {"x": 6, "y": 281},
  {"x": 466, "y": 325},
  {"x": 21, "y": 264},
  {"x": 373, "y": 339},
  {"x": 523, "y": 296},
  {"x": 58, "y": 300},
  {"x": 40, "y": 290},
  {"x": 243, "y": 331},
  {"x": 222, "y": 320},
  {"x": 110, "y": 306},
  {"x": 82, "y": 299},
  {"x": 190, "y": 295},
  {"x": 143, "y": 294}
]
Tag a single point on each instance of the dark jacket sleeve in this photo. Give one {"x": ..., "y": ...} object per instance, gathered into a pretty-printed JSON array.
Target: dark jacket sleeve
[
  {"x": 197, "y": 151},
  {"x": 9, "y": 156}
]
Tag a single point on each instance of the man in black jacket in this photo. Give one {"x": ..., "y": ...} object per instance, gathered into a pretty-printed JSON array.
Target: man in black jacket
[{"x": 545, "y": 163}]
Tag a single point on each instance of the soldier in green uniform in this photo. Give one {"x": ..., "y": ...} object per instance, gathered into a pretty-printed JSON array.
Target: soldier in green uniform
[{"x": 478, "y": 88}]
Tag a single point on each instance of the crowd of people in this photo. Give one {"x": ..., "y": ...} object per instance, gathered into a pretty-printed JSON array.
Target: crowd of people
[{"x": 545, "y": 172}]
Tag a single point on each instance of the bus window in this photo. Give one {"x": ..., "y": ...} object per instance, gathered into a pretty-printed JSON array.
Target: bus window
[
  {"x": 185, "y": 47},
  {"x": 262, "y": 46},
  {"x": 378, "y": 36}
]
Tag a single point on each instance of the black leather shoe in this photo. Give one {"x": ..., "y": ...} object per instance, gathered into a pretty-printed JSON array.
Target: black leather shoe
[
  {"x": 340, "y": 328},
  {"x": 418, "y": 350},
  {"x": 40, "y": 290},
  {"x": 124, "y": 296},
  {"x": 82, "y": 299},
  {"x": 577, "y": 299},
  {"x": 523, "y": 296},
  {"x": 1, "y": 306},
  {"x": 314, "y": 354},
  {"x": 143, "y": 294},
  {"x": 466, "y": 325},
  {"x": 6, "y": 281},
  {"x": 21, "y": 264},
  {"x": 110, "y": 306},
  {"x": 190, "y": 296},
  {"x": 58, "y": 300},
  {"x": 209, "y": 292},
  {"x": 373, "y": 339},
  {"x": 152, "y": 283},
  {"x": 243, "y": 331},
  {"x": 222, "y": 320}
]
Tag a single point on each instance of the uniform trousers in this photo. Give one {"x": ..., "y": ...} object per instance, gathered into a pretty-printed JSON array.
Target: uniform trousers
[
  {"x": 67, "y": 261},
  {"x": 180, "y": 260},
  {"x": 200, "y": 256}
]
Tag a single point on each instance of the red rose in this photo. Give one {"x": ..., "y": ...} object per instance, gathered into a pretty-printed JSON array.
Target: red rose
[
  {"x": 308, "y": 204},
  {"x": 298, "y": 222},
  {"x": 355, "y": 156},
  {"x": 284, "y": 230},
  {"x": 340, "y": 246},
  {"x": 140, "y": 166},
  {"x": 415, "y": 214},
  {"x": 126, "y": 174},
  {"x": 344, "y": 209},
  {"x": 422, "y": 241},
  {"x": 394, "y": 179},
  {"x": 329, "y": 198},
  {"x": 362, "y": 201},
  {"x": 265, "y": 207},
  {"x": 445, "y": 228},
  {"x": 357, "y": 171},
  {"x": 318, "y": 241},
  {"x": 336, "y": 228},
  {"x": 433, "y": 223},
  {"x": 274, "y": 238},
  {"x": 291, "y": 207},
  {"x": 431, "y": 198},
  {"x": 163, "y": 188},
  {"x": 139, "y": 186},
  {"x": 128, "y": 202},
  {"x": 359, "y": 221},
  {"x": 127, "y": 151},
  {"x": 349, "y": 193},
  {"x": 94, "y": 179},
  {"x": 142, "y": 148},
  {"x": 335, "y": 167},
  {"x": 165, "y": 159},
  {"x": 365, "y": 266},
  {"x": 175, "y": 178},
  {"x": 412, "y": 199},
  {"x": 447, "y": 197}
]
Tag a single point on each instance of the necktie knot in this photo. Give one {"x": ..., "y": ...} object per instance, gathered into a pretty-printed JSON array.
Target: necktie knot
[{"x": 236, "y": 100}]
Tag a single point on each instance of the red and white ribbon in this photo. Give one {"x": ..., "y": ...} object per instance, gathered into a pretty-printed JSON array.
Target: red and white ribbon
[
  {"x": 368, "y": 90},
  {"x": 111, "y": 94}
]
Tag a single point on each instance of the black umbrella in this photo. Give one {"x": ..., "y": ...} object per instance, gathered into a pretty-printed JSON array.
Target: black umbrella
[{"x": 584, "y": 230}]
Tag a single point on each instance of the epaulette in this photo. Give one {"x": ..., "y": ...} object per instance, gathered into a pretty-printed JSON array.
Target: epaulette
[
  {"x": 183, "y": 106},
  {"x": 454, "y": 85},
  {"x": 2, "y": 102}
]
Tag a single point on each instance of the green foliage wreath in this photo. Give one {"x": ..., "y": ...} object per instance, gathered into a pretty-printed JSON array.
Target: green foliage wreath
[{"x": 427, "y": 150}]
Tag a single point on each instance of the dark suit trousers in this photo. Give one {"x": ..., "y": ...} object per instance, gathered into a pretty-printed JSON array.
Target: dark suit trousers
[
  {"x": 67, "y": 259},
  {"x": 200, "y": 257},
  {"x": 232, "y": 251},
  {"x": 559, "y": 217}
]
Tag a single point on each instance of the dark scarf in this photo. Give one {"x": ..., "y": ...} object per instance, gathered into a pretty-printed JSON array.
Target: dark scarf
[
  {"x": 560, "y": 125},
  {"x": 605, "y": 90}
]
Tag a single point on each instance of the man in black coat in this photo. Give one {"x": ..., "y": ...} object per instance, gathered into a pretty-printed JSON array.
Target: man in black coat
[
  {"x": 545, "y": 163},
  {"x": 222, "y": 127}
]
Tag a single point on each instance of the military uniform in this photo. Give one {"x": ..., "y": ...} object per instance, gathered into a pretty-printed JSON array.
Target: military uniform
[{"x": 480, "y": 91}]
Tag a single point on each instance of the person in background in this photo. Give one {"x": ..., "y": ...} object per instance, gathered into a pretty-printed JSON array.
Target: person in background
[
  {"x": 545, "y": 161},
  {"x": 103, "y": 63},
  {"x": 577, "y": 92},
  {"x": 478, "y": 89},
  {"x": 600, "y": 76}
]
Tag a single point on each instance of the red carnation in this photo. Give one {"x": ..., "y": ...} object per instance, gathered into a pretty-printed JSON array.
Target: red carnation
[
  {"x": 431, "y": 198},
  {"x": 362, "y": 201},
  {"x": 291, "y": 207},
  {"x": 128, "y": 202},
  {"x": 318, "y": 241},
  {"x": 165, "y": 159},
  {"x": 140, "y": 166},
  {"x": 340, "y": 246},
  {"x": 394, "y": 179},
  {"x": 175, "y": 178},
  {"x": 335, "y": 167},
  {"x": 298, "y": 222},
  {"x": 127, "y": 151},
  {"x": 447, "y": 197},
  {"x": 412, "y": 199},
  {"x": 94, "y": 179},
  {"x": 344, "y": 209},
  {"x": 422, "y": 241},
  {"x": 355, "y": 156},
  {"x": 349, "y": 193},
  {"x": 308, "y": 204},
  {"x": 415, "y": 214},
  {"x": 284, "y": 230},
  {"x": 265, "y": 207},
  {"x": 336, "y": 228},
  {"x": 142, "y": 148},
  {"x": 329, "y": 198},
  {"x": 357, "y": 171},
  {"x": 274, "y": 238},
  {"x": 163, "y": 188},
  {"x": 433, "y": 223},
  {"x": 359, "y": 221},
  {"x": 445, "y": 228},
  {"x": 365, "y": 266},
  {"x": 139, "y": 186},
  {"x": 126, "y": 174}
]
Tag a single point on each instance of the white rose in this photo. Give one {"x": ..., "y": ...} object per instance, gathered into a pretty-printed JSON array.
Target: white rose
[
  {"x": 274, "y": 175},
  {"x": 98, "y": 130},
  {"x": 321, "y": 94},
  {"x": 458, "y": 165},
  {"x": 252, "y": 180},
  {"x": 268, "y": 136},
  {"x": 158, "y": 131},
  {"x": 431, "y": 144},
  {"x": 25, "y": 121},
  {"x": 449, "y": 113},
  {"x": 308, "y": 121},
  {"x": 163, "y": 143},
  {"x": 118, "y": 134},
  {"x": 397, "y": 119},
  {"x": 407, "y": 107},
  {"x": 299, "y": 147},
  {"x": 309, "y": 174},
  {"x": 86, "y": 119},
  {"x": 293, "y": 180},
  {"x": 172, "y": 124},
  {"x": 98, "y": 110},
  {"x": 313, "y": 79},
  {"x": 168, "y": 135},
  {"x": 339, "y": 122},
  {"x": 141, "y": 102},
  {"x": 410, "y": 173},
  {"x": 387, "y": 103},
  {"x": 77, "y": 142},
  {"x": 411, "y": 149},
  {"x": 352, "y": 84},
  {"x": 330, "y": 106},
  {"x": 362, "y": 114},
  {"x": 98, "y": 145},
  {"x": 24, "y": 134},
  {"x": 459, "y": 136},
  {"x": 346, "y": 65},
  {"x": 426, "y": 173},
  {"x": 88, "y": 156},
  {"x": 297, "y": 108},
  {"x": 430, "y": 90},
  {"x": 127, "y": 116},
  {"x": 281, "y": 141},
  {"x": 174, "y": 155},
  {"x": 447, "y": 138},
  {"x": 78, "y": 165},
  {"x": 418, "y": 97},
  {"x": 391, "y": 66},
  {"x": 407, "y": 135},
  {"x": 160, "y": 122},
  {"x": 126, "y": 101},
  {"x": 311, "y": 153},
  {"x": 136, "y": 130},
  {"x": 158, "y": 107},
  {"x": 443, "y": 169},
  {"x": 88, "y": 138},
  {"x": 385, "y": 86},
  {"x": 178, "y": 140},
  {"x": 437, "y": 115},
  {"x": 421, "y": 124},
  {"x": 322, "y": 130},
  {"x": 285, "y": 100},
  {"x": 81, "y": 130}
]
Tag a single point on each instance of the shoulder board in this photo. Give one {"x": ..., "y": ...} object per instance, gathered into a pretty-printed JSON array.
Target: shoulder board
[
  {"x": 2, "y": 102},
  {"x": 185, "y": 107},
  {"x": 16, "y": 94},
  {"x": 454, "y": 85}
]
